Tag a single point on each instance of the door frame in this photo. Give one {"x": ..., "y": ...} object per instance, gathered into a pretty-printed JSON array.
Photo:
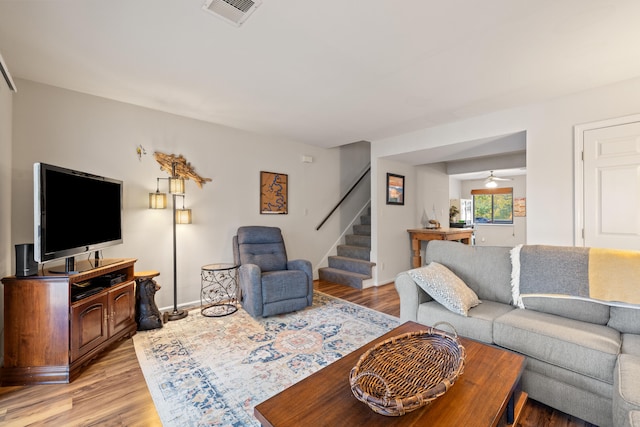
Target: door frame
[{"x": 578, "y": 148}]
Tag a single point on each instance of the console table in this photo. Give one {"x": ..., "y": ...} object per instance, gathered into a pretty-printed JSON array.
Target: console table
[
  {"x": 51, "y": 333},
  {"x": 418, "y": 234}
]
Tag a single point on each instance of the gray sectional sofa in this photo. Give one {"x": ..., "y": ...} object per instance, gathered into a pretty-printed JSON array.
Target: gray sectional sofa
[{"x": 583, "y": 356}]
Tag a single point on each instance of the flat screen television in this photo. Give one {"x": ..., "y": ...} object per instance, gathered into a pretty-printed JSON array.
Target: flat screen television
[{"x": 74, "y": 213}]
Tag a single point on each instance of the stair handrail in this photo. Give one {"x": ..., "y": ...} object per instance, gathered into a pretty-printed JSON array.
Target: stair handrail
[{"x": 345, "y": 196}]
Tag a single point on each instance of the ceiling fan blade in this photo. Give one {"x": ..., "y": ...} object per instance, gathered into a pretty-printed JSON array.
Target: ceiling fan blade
[{"x": 491, "y": 177}]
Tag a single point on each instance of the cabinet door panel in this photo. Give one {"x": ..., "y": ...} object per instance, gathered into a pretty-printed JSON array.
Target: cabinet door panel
[
  {"x": 88, "y": 325},
  {"x": 122, "y": 308}
]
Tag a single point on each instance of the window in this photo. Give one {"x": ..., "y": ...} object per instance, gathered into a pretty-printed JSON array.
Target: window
[{"x": 493, "y": 206}]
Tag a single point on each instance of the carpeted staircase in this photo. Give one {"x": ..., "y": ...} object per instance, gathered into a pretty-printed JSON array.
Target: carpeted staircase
[{"x": 351, "y": 266}]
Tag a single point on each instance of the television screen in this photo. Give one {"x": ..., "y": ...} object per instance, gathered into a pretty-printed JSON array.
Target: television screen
[{"x": 75, "y": 212}]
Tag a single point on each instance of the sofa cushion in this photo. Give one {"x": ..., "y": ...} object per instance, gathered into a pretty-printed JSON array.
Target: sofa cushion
[
  {"x": 570, "y": 378},
  {"x": 634, "y": 418},
  {"x": 445, "y": 287},
  {"x": 485, "y": 269},
  {"x": 586, "y": 311},
  {"x": 581, "y": 347},
  {"x": 625, "y": 319},
  {"x": 478, "y": 325},
  {"x": 626, "y": 393}
]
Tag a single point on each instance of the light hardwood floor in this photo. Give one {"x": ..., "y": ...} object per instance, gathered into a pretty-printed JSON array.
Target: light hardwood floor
[{"x": 111, "y": 391}]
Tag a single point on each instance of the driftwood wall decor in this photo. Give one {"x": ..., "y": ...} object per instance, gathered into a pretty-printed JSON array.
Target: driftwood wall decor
[{"x": 183, "y": 169}]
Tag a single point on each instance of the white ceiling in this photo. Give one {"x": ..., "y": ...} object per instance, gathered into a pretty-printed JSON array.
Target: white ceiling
[{"x": 326, "y": 72}]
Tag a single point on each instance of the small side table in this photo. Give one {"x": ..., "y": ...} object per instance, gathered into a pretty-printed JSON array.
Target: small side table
[{"x": 218, "y": 289}]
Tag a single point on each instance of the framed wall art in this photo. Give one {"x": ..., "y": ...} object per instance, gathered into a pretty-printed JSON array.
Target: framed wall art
[
  {"x": 273, "y": 193},
  {"x": 395, "y": 189},
  {"x": 519, "y": 206}
]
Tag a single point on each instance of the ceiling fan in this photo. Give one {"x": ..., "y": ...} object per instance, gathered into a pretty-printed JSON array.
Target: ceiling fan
[{"x": 492, "y": 181}]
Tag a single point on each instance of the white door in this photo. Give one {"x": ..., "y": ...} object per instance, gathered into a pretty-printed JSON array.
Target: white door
[{"x": 611, "y": 193}]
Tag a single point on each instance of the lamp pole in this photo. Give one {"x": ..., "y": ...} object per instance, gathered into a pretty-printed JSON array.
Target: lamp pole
[{"x": 175, "y": 314}]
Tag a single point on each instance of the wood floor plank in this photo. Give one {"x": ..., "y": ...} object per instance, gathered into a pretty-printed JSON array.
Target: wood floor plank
[{"x": 111, "y": 391}]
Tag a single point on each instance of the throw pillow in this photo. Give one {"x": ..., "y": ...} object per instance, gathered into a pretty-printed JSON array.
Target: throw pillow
[{"x": 445, "y": 287}]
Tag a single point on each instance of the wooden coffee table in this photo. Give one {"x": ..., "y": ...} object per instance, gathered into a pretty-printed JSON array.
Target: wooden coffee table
[{"x": 486, "y": 394}]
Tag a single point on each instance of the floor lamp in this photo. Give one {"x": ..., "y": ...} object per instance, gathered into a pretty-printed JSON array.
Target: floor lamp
[{"x": 180, "y": 171}]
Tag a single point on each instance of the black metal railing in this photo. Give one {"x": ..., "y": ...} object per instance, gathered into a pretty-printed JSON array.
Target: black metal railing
[{"x": 344, "y": 197}]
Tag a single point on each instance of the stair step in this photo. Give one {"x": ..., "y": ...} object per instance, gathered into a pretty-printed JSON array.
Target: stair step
[
  {"x": 342, "y": 277},
  {"x": 362, "y": 230},
  {"x": 365, "y": 220},
  {"x": 351, "y": 264},
  {"x": 358, "y": 252},
  {"x": 357, "y": 240}
]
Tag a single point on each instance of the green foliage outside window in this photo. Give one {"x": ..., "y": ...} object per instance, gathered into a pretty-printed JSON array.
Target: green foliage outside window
[{"x": 493, "y": 208}]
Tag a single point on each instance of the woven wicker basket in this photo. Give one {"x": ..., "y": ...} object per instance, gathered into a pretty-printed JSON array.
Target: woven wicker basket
[{"x": 408, "y": 371}]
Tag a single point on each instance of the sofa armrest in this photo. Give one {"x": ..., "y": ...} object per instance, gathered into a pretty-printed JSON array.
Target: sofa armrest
[
  {"x": 411, "y": 296},
  {"x": 626, "y": 394},
  {"x": 250, "y": 278}
]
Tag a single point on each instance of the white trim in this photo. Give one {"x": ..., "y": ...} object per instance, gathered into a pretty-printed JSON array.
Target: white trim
[{"x": 578, "y": 191}]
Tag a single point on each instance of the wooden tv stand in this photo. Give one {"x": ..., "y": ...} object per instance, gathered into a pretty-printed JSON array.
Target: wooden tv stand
[{"x": 49, "y": 337}]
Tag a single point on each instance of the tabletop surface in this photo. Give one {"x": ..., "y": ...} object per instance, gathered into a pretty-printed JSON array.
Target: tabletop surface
[{"x": 220, "y": 266}]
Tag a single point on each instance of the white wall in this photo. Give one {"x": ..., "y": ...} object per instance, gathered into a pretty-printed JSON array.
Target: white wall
[
  {"x": 389, "y": 223},
  {"x": 100, "y": 136},
  {"x": 6, "y": 102},
  {"x": 550, "y": 175},
  {"x": 433, "y": 194}
]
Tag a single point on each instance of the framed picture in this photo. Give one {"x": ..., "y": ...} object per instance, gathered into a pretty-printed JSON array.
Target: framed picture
[
  {"x": 520, "y": 206},
  {"x": 273, "y": 193},
  {"x": 395, "y": 189}
]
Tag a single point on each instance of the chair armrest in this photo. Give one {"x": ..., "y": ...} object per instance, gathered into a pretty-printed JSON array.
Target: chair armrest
[
  {"x": 300, "y": 264},
  {"x": 411, "y": 296},
  {"x": 304, "y": 265},
  {"x": 249, "y": 276}
]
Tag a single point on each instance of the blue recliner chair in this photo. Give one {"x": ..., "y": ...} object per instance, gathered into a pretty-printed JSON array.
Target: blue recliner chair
[{"x": 270, "y": 283}]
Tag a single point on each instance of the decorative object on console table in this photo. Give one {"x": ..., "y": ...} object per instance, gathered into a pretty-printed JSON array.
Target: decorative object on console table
[
  {"x": 395, "y": 189},
  {"x": 148, "y": 315},
  {"x": 274, "y": 190},
  {"x": 179, "y": 170},
  {"x": 453, "y": 213}
]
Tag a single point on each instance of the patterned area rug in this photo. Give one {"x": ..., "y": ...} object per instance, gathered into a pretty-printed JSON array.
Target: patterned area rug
[{"x": 213, "y": 371}]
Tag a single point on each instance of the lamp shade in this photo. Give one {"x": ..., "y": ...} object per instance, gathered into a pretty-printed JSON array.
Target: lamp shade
[
  {"x": 176, "y": 185},
  {"x": 157, "y": 200},
  {"x": 491, "y": 184},
  {"x": 183, "y": 216}
]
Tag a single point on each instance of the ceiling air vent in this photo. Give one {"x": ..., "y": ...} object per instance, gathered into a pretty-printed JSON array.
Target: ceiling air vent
[{"x": 233, "y": 11}]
